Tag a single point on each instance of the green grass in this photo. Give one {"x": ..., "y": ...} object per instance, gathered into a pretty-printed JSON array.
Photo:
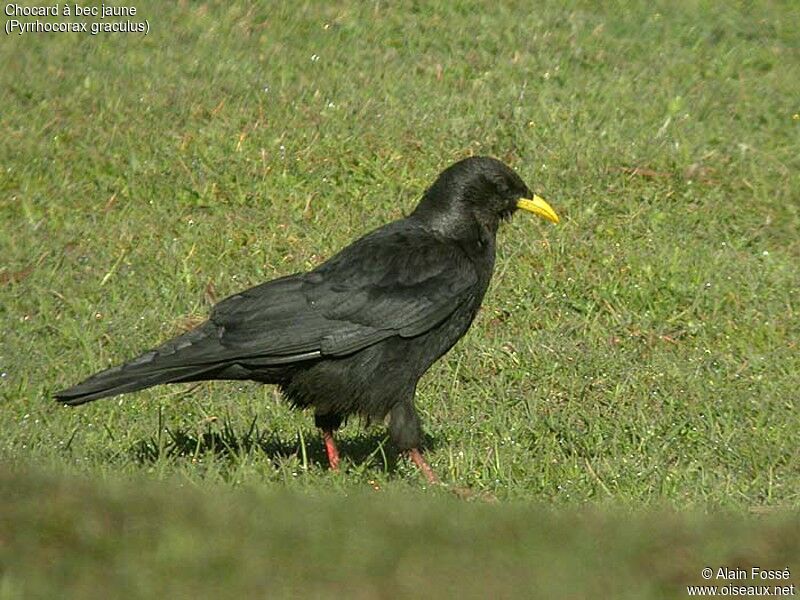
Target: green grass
[
  {"x": 643, "y": 353},
  {"x": 155, "y": 541}
]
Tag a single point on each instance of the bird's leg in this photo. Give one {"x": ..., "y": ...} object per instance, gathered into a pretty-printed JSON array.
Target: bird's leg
[
  {"x": 328, "y": 424},
  {"x": 330, "y": 449},
  {"x": 416, "y": 457},
  {"x": 406, "y": 432}
]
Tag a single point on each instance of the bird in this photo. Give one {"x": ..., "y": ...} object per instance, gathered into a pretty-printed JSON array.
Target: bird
[{"x": 354, "y": 335}]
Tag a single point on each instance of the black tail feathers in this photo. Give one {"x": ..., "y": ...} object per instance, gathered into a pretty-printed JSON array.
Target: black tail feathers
[
  {"x": 183, "y": 358},
  {"x": 121, "y": 380}
]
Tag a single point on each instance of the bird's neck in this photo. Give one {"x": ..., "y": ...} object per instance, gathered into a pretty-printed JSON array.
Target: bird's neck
[
  {"x": 458, "y": 226},
  {"x": 476, "y": 239}
]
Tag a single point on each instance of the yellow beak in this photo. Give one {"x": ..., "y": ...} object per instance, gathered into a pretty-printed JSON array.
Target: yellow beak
[{"x": 538, "y": 206}]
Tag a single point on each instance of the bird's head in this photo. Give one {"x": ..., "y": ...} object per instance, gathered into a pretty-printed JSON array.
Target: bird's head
[{"x": 479, "y": 189}]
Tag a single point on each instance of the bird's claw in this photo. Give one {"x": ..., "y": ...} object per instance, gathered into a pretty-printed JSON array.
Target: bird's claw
[
  {"x": 416, "y": 457},
  {"x": 330, "y": 450}
]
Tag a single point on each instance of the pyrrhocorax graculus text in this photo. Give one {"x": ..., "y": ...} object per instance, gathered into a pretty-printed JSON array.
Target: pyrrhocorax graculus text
[{"x": 354, "y": 335}]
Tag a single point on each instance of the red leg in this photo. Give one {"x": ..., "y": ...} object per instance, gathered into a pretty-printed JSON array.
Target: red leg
[
  {"x": 330, "y": 449},
  {"x": 416, "y": 456}
]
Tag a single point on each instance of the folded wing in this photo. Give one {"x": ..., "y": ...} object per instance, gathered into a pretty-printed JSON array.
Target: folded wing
[{"x": 397, "y": 281}]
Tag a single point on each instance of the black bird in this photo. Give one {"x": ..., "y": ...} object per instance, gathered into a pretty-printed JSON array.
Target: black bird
[{"x": 354, "y": 335}]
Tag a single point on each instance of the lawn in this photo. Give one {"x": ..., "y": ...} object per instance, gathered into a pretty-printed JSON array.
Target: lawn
[{"x": 628, "y": 392}]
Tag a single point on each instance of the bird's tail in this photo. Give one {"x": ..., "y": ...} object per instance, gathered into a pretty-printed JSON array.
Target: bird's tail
[{"x": 171, "y": 363}]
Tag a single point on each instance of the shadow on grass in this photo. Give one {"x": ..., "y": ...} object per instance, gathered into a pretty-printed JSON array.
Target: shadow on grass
[{"x": 370, "y": 447}]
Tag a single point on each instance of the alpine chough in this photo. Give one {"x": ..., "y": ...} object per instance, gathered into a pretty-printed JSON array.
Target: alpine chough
[{"x": 354, "y": 335}]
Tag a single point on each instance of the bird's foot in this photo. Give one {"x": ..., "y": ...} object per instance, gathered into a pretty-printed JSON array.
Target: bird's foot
[
  {"x": 330, "y": 449},
  {"x": 416, "y": 457}
]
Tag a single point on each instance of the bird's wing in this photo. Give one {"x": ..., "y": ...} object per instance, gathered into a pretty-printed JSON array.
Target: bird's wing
[{"x": 400, "y": 281}]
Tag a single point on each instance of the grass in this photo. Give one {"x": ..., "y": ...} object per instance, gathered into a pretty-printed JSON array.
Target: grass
[
  {"x": 166, "y": 540},
  {"x": 643, "y": 353}
]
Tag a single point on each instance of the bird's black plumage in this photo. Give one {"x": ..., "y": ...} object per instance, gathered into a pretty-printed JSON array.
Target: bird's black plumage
[{"x": 355, "y": 334}]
